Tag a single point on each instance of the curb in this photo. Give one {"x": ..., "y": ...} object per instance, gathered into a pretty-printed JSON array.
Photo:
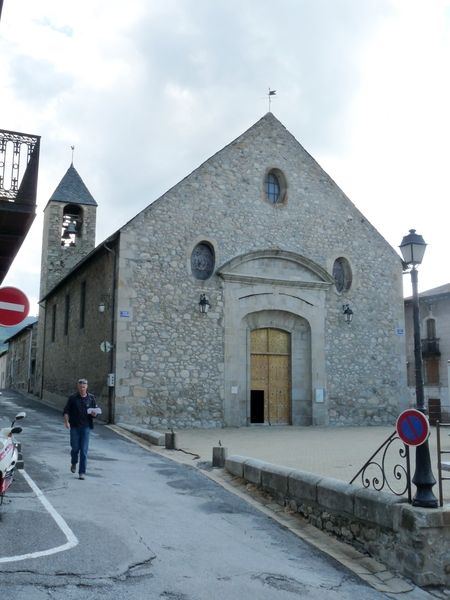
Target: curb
[{"x": 374, "y": 573}]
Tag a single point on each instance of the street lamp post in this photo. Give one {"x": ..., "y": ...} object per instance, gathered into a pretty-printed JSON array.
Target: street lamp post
[{"x": 413, "y": 249}]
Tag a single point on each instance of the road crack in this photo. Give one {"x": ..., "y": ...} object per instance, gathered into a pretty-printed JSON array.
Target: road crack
[{"x": 64, "y": 579}]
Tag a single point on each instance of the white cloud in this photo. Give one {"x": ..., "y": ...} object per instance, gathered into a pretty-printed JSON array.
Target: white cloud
[{"x": 148, "y": 90}]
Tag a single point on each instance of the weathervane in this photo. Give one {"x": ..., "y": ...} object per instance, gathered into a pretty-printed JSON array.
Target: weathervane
[
  {"x": 73, "y": 150},
  {"x": 270, "y": 94}
]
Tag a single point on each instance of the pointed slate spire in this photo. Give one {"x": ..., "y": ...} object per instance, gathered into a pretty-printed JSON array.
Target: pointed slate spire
[{"x": 71, "y": 188}]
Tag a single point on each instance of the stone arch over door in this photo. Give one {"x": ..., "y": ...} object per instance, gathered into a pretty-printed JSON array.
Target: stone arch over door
[
  {"x": 300, "y": 391},
  {"x": 283, "y": 290}
]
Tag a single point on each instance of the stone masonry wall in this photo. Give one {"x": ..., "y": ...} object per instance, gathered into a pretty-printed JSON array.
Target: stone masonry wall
[
  {"x": 171, "y": 359},
  {"x": 411, "y": 540},
  {"x": 21, "y": 351},
  {"x": 77, "y": 353}
]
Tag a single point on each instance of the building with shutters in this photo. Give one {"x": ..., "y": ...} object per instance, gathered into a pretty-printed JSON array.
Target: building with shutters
[{"x": 434, "y": 313}]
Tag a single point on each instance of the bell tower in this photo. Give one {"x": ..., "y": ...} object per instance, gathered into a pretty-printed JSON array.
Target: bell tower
[{"x": 69, "y": 229}]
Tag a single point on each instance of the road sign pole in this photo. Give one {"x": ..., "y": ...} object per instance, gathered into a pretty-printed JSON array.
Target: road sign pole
[
  {"x": 424, "y": 479},
  {"x": 413, "y": 429},
  {"x": 423, "y": 476}
]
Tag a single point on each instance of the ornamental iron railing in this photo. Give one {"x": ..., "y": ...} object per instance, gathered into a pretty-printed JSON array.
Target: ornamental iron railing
[
  {"x": 383, "y": 471},
  {"x": 19, "y": 162},
  {"x": 430, "y": 346}
]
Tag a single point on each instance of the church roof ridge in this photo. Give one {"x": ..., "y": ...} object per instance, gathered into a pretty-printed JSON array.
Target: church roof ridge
[
  {"x": 72, "y": 189},
  {"x": 436, "y": 291}
]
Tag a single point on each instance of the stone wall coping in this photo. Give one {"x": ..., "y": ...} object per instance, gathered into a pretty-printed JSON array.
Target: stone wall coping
[
  {"x": 253, "y": 469},
  {"x": 277, "y": 469},
  {"x": 336, "y": 495},
  {"x": 302, "y": 485},
  {"x": 234, "y": 464},
  {"x": 381, "y": 508},
  {"x": 154, "y": 437},
  {"x": 275, "y": 478}
]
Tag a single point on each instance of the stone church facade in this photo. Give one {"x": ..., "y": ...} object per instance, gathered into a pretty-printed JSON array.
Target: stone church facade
[{"x": 261, "y": 236}]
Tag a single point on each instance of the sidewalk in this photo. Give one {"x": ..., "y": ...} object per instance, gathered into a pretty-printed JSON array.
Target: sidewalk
[{"x": 333, "y": 452}]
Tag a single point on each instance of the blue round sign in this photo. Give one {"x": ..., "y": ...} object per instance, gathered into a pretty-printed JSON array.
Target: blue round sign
[{"x": 413, "y": 427}]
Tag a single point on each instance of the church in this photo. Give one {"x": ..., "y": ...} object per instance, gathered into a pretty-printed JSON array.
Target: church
[{"x": 252, "y": 292}]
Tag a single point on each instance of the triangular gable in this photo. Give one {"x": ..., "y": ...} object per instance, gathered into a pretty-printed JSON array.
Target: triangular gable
[{"x": 272, "y": 130}]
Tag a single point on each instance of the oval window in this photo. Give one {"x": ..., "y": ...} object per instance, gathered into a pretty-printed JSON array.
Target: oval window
[
  {"x": 272, "y": 188},
  {"x": 202, "y": 261},
  {"x": 275, "y": 186},
  {"x": 342, "y": 274}
]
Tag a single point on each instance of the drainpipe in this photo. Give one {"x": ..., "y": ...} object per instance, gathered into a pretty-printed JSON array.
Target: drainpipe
[
  {"x": 29, "y": 358},
  {"x": 448, "y": 380},
  {"x": 111, "y": 389},
  {"x": 41, "y": 392}
]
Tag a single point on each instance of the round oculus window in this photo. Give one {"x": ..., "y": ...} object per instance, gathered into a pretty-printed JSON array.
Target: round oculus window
[
  {"x": 342, "y": 274},
  {"x": 202, "y": 261}
]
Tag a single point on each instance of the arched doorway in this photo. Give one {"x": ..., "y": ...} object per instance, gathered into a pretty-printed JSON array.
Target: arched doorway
[{"x": 270, "y": 389}]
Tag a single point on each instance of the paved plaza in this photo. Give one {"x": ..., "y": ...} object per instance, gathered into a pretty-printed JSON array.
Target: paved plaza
[{"x": 337, "y": 452}]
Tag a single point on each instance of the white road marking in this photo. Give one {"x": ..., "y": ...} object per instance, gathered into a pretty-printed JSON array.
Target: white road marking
[
  {"x": 12, "y": 306},
  {"x": 72, "y": 540}
]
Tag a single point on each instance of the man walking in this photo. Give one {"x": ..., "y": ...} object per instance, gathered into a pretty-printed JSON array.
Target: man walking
[{"x": 78, "y": 417}]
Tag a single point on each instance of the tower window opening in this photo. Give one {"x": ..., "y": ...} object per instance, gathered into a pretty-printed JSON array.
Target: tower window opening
[{"x": 71, "y": 225}]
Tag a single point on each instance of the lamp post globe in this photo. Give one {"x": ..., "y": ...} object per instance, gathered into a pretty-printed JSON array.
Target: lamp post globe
[{"x": 413, "y": 249}]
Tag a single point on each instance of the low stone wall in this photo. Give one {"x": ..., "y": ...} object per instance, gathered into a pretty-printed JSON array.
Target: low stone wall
[
  {"x": 154, "y": 437},
  {"x": 411, "y": 540}
]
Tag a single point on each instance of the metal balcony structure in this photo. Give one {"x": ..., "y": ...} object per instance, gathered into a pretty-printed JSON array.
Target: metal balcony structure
[
  {"x": 430, "y": 347},
  {"x": 19, "y": 165}
]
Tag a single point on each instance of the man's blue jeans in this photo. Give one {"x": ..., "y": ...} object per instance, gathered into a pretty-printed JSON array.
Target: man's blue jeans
[{"x": 79, "y": 442}]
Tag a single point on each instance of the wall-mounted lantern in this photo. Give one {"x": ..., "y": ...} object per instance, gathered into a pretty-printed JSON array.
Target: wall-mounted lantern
[
  {"x": 203, "y": 305},
  {"x": 348, "y": 313},
  {"x": 104, "y": 303}
]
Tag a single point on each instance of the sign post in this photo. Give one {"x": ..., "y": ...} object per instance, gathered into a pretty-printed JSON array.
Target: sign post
[{"x": 14, "y": 306}]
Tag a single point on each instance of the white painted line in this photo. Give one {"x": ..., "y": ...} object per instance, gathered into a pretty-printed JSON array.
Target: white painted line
[
  {"x": 72, "y": 540},
  {"x": 12, "y": 306}
]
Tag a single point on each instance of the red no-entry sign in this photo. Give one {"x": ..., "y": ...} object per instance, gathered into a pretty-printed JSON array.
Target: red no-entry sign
[
  {"x": 413, "y": 427},
  {"x": 14, "y": 306}
]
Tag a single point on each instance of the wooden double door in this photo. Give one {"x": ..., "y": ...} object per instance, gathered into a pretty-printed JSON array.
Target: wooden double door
[{"x": 270, "y": 391}]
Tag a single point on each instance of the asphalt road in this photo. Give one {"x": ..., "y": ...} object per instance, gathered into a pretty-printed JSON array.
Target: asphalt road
[{"x": 143, "y": 527}]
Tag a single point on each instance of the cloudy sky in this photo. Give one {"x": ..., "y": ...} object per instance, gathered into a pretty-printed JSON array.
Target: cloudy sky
[{"x": 147, "y": 90}]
